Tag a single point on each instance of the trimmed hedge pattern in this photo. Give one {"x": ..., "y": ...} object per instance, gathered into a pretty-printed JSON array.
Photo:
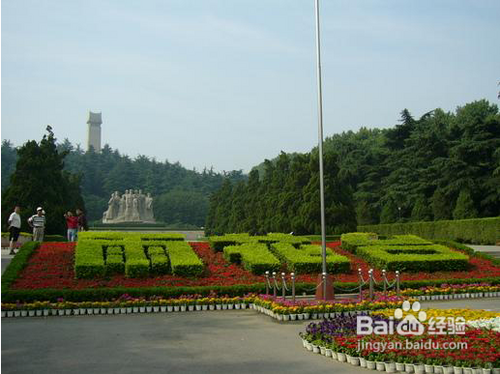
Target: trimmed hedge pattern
[
  {"x": 136, "y": 255},
  {"x": 475, "y": 231},
  {"x": 218, "y": 243},
  {"x": 414, "y": 258},
  {"x": 307, "y": 258},
  {"x": 254, "y": 257}
]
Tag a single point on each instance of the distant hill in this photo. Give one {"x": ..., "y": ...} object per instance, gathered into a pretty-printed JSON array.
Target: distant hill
[{"x": 181, "y": 195}]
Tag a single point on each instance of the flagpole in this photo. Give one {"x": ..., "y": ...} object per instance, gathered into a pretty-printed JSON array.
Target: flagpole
[{"x": 320, "y": 149}]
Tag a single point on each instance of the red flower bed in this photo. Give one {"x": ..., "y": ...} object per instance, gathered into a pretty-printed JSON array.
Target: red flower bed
[
  {"x": 481, "y": 268},
  {"x": 51, "y": 266}
]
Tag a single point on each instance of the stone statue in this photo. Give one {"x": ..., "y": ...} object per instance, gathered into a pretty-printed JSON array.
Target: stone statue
[{"x": 132, "y": 206}]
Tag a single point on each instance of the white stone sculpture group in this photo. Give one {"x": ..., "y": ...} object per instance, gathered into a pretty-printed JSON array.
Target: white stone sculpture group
[{"x": 132, "y": 206}]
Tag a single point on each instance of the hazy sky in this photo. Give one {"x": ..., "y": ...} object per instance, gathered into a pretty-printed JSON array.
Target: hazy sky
[{"x": 229, "y": 83}]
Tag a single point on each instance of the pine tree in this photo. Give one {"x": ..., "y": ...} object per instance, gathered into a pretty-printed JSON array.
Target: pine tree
[
  {"x": 465, "y": 206},
  {"x": 389, "y": 213},
  {"x": 440, "y": 206},
  {"x": 39, "y": 180},
  {"x": 421, "y": 210}
]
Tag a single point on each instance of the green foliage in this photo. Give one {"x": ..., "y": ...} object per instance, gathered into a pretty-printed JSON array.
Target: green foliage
[
  {"x": 285, "y": 200},
  {"x": 476, "y": 231},
  {"x": 254, "y": 257},
  {"x": 413, "y": 258},
  {"x": 351, "y": 241},
  {"x": 219, "y": 242},
  {"x": 465, "y": 206},
  {"x": 39, "y": 180},
  {"x": 144, "y": 254},
  {"x": 18, "y": 263},
  {"x": 421, "y": 211},
  {"x": 307, "y": 259}
]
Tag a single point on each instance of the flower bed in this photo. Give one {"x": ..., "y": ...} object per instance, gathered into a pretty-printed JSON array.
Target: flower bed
[{"x": 337, "y": 338}]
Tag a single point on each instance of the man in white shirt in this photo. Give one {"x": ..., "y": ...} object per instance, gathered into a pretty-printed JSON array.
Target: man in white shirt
[
  {"x": 14, "y": 223},
  {"x": 37, "y": 221}
]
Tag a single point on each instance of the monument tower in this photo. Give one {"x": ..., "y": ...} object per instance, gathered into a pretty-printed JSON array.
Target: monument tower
[{"x": 94, "y": 131}]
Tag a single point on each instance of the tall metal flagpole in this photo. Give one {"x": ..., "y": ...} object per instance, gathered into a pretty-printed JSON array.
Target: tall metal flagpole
[{"x": 320, "y": 149}]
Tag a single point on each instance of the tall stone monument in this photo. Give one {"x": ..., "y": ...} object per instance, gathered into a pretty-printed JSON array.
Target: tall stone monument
[
  {"x": 132, "y": 206},
  {"x": 94, "y": 131}
]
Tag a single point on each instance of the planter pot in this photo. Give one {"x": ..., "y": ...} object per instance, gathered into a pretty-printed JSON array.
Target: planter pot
[
  {"x": 354, "y": 361},
  {"x": 486, "y": 371},
  {"x": 82, "y": 311},
  {"x": 328, "y": 352},
  {"x": 129, "y": 310},
  {"x": 315, "y": 348},
  {"x": 429, "y": 369},
  {"x": 156, "y": 309},
  {"x": 362, "y": 362},
  {"x": 224, "y": 306},
  {"x": 341, "y": 357},
  {"x": 438, "y": 369},
  {"x": 17, "y": 313},
  {"x": 60, "y": 312},
  {"x": 204, "y": 307},
  {"x": 116, "y": 310},
  {"x": 477, "y": 370},
  {"x": 322, "y": 350},
  {"x": 45, "y": 312},
  {"x": 135, "y": 309},
  {"x": 448, "y": 369},
  {"x": 243, "y": 306},
  {"x": 24, "y": 313},
  {"x": 468, "y": 371},
  {"x": 170, "y": 308},
  {"x": 293, "y": 317},
  {"x": 409, "y": 368},
  {"x": 142, "y": 309},
  {"x": 183, "y": 308},
  {"x": 163, "y": 309},
  {"x": 103, "y": 310},
  {"x": 334, "y": 355},
  {"x": 198, "y": 307},
  {"x": 149, "y": 309},
  {"x": 309, "y": 346},
  {"x": 122, "y": 310},
  {"x": 458, "y": 370},
  {"x": 10, "y": 313},
  {"x": 495, "y": 370},
  {"x": 110, "y": 311},
  {"x": 53, "y": 312},
  {"x": 380, "y": 366},
  {"x": 218, "y": 307},
  {"x": 76, "y": 312},
  {"x": 191, "y": 308},
  {"x": 4, "y": 314},
  {"x": 300, "y": 317},
  {"x": 419, "y": 368},
  {"x": 90, "y": 311},
  {"x": 280, "y": 317},
  {"x": 177, "y": 308},
  {"x": 304, "y": 343},
  {"x": 314, "y": 316},
  {"x": 371, "y": 365},
  {"x": 230, "y": 306},
  {"x": 211, "y": 307},
  {"x": 286, "y": 317},
  {"x": 400, "y": 366},
  {"x": 39, "y": 313},
  {"x": 390, "y": 367},
  {"x": 31, "y": 313},
  {"x": 307, "y": 316}
]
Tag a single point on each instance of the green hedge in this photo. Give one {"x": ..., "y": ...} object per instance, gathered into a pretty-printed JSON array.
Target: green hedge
[
  {"x": 17, "y": 264},
  {"x": 475, "y": 231},
  {"x": 218, "y": 243},
  {"x": 414, "y": 258},
  {"x": 143, "y": 254},
  {"x": 254, "y": 257},
  {"x": 307, "y": 259},
  {"x": 98, "y": 294}
]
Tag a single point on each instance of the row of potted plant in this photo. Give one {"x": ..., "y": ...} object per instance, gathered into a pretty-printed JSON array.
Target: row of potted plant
[
  {"x": 287, "y": 310},
  {"x": 125, "y": 305},
  {"x": 454, "y": 291},
  {"x": 475, "y": 351}
]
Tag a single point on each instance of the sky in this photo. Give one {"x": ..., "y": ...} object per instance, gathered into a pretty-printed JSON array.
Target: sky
[{"x": 230, "y": 83}]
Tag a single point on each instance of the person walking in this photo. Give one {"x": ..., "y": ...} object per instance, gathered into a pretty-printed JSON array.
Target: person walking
[
  {"x": 72, "y": 224},
  {"x": 37, "y": 222},
  {"x": 82, "y": 220},
  {"x": 14, "y": 223}
]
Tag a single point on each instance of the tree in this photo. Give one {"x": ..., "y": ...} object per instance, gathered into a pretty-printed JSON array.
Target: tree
[
  {"x": 39, "y": 180},
  {"x": 421, "y": 210},
  {"x": 465, "y": 206},
  {"x": 441, "y": 208}
]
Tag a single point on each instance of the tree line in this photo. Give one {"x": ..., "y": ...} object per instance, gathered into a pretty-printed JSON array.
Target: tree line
[
  {"x": 443, "y": 165},
  {"x": 180, "y": 195}
]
